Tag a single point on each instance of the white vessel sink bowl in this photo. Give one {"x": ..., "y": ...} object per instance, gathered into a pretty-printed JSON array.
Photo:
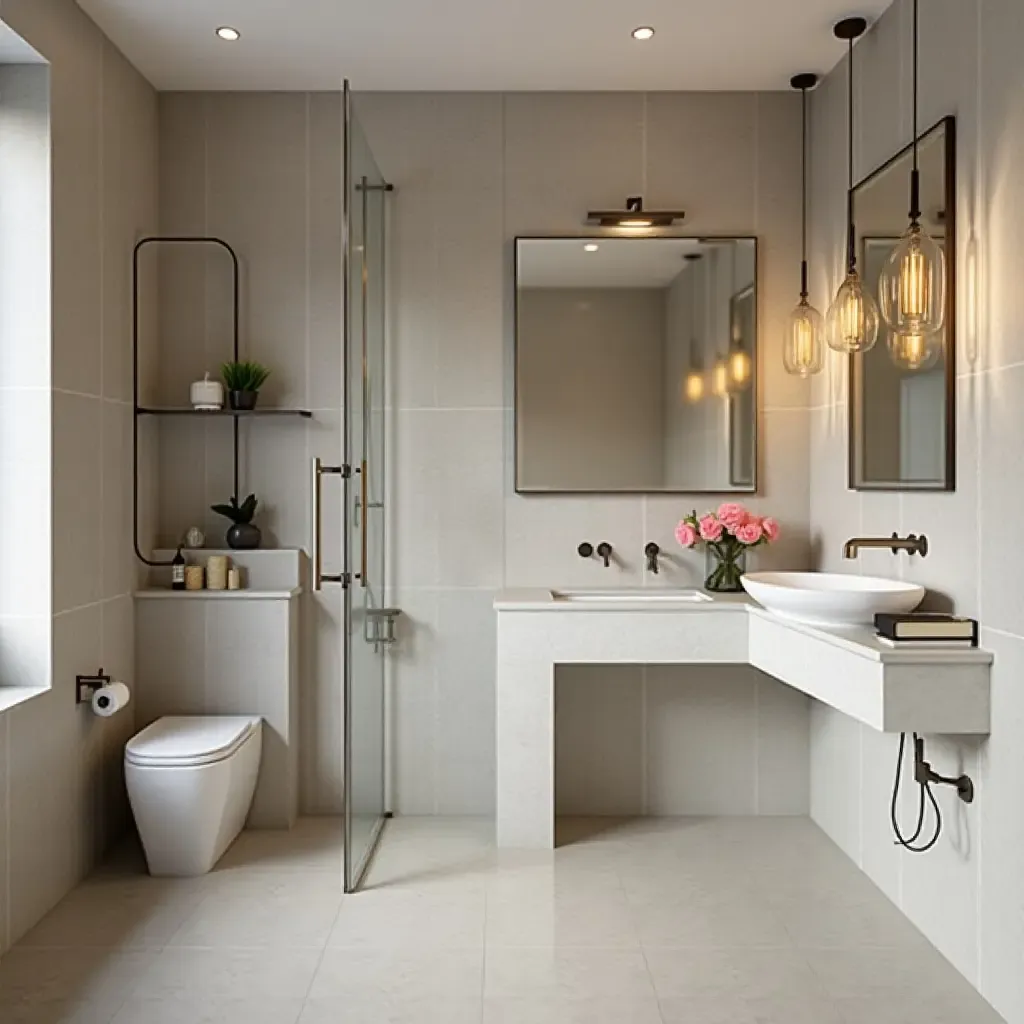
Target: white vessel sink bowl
[
  {"x": 831, "y": 599},
  {"x": 628, "y": 596}
]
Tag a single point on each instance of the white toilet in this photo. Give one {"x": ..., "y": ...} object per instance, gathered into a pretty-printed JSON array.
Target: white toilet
[{"x": 190, "y": 782}]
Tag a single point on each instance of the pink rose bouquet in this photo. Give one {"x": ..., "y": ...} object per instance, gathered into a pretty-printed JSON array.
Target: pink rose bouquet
[
  {"x": 727, "y": 534},
  {"x": 686, "y": 534}
]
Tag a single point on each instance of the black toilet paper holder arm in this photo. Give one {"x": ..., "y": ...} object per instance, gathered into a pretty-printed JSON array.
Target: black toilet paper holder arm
[{"x": 86, "y": 686}]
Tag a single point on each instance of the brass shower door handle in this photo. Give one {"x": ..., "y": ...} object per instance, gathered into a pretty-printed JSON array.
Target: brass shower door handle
[
  {"x": 315, "y": 556},
  {"x": 363, "y": 544}
]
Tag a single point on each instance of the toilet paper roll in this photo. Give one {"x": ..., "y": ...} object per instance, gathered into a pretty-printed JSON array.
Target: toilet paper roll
[{"x": 109, "y": 699}]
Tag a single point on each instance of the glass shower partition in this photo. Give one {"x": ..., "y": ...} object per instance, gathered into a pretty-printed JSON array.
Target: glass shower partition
[{"x": 368, "y": 622}]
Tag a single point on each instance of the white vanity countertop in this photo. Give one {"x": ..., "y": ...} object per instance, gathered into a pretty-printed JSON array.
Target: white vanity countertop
[
  {"x": 932, "y": 691},
  {"x": 858, "y": 640},
  {"x": 862, "y": 641},
  {"x": 536, "y": 599}
]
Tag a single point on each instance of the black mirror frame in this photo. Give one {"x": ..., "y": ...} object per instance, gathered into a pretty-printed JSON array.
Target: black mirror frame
[{"x": 947, "y": 123}]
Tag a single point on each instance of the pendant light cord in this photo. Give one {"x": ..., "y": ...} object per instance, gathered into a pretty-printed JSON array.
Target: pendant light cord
[
  {"x": 915, "y": 63},
  {"x": 915, "y": 174},
  {"x": 803, "y": 194},
  {"x": 694, "y": 363},
  {"x": 851, "y": 244},
  {"x": 849, "y": 116}
]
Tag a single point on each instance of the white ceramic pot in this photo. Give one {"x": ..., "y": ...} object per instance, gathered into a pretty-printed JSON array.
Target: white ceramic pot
[{"x": 207, "y": 395}]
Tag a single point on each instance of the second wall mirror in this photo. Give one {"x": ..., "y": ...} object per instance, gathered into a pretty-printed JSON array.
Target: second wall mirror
[
  {"x": 903, "y": 405},
  {"x": 636, "y": 365}
]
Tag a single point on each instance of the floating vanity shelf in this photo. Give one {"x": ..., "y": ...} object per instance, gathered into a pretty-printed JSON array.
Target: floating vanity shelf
[
  {"x": 915, "y": 690},
  {"x": 226, "y": 413},
  {"x": 918, "y": 690}
]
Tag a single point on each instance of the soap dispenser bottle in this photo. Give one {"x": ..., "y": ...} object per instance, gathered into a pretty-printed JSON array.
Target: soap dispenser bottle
[{"x": 178, "y": 571}]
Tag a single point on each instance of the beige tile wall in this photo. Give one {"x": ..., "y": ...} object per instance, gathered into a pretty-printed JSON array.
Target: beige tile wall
[
  {"x": 667, "y": 741},
  {"x": 262, "y": 171},
  {"x": 967, "y": 895},
  {"x": 471, "y": 172},
  {"x": 64, "y": 797}
]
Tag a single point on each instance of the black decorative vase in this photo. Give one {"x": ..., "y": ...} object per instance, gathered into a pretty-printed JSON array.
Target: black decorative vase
[
  {"x": 244, "y": 537},
  {"x": 243, "y": 401}
]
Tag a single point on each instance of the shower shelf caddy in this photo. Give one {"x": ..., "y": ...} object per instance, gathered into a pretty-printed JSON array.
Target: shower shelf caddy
[{"x": 232, "y": 414}]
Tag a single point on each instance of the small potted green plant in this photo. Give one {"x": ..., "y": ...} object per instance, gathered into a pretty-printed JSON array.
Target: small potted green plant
[
  {"x": 244, "y": 534},
  {"x": 243, "y": 382}
]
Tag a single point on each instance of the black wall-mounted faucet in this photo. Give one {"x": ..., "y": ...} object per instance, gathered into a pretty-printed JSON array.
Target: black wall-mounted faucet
[
  {"x": 652, "y": 551},
  {"x": 604, "y": 551}
]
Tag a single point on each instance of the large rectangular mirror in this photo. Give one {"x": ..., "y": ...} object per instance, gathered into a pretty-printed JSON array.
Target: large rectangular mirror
[
  {"x": 636, "y": 365},
  {"x": 902, "y": 423}
]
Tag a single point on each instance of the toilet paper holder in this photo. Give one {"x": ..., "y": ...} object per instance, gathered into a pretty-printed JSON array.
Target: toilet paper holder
[{"x": 86, "y": 686}]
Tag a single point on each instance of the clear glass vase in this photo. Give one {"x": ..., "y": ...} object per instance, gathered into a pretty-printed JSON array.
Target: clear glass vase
[{"x": 724, "y": 564}]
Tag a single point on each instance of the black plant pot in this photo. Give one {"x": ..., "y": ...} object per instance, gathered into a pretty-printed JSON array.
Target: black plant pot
[
  {"x": 243, "y": 401},
  {"x": 244, "y": 537}
]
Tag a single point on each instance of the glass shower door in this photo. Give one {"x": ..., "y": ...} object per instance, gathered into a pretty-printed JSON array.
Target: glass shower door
[{"x": 367, "y": 619}]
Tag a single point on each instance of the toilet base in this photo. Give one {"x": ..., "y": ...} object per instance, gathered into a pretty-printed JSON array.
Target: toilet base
[{"x": 187, "y": 816}]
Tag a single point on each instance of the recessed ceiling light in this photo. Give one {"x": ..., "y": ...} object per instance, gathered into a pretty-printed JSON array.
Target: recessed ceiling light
[
  {"x": 228, "y": 34},
  {"x": 591, "y": 247},
  {"x": 643, "y": 32}
]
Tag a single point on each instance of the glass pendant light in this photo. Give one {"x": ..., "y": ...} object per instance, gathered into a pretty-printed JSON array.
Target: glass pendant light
[
  {"x": 852, "y": 321},
  {"x": 740, "y": 370},
  {"x": 803, "y": 352},
  {"x": 741, "y": 366},
  {"x": 916, "y": 352},
  {"x": 694, "y": 388},
  {"x": 912, "y": 285},
  {"x": 720, "y": 378},
  {"x": 694, "y": 384}
]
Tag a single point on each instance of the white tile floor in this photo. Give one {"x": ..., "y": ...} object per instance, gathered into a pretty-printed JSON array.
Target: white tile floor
[{"x": 660, "y": 921}]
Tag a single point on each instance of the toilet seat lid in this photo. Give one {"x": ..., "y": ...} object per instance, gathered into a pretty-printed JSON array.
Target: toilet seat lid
[{"x": 185, "y": 740}]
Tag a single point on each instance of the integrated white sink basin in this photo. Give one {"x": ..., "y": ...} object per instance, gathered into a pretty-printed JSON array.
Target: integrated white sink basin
[
  {"x": 628, "y": 596},
  {"x": 831, "y": 599}
]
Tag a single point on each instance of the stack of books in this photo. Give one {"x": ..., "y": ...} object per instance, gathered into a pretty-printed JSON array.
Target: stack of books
[{"x": 926, "y": 629}]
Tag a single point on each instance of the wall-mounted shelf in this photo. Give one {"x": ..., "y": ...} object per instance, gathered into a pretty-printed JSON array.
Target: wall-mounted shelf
[
  {"x": 166, "y": 594},
  {"x": 234, "y": 415},
  {"x": 144, "y": 411}
]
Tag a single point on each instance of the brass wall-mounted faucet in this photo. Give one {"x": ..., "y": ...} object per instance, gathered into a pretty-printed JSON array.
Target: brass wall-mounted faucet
[{"x": 912, "y": 544}]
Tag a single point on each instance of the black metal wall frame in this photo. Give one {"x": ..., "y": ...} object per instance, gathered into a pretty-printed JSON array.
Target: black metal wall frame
[{"x": 136, "y": 408}]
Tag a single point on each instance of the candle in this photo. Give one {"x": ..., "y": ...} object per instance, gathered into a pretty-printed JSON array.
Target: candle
[{"x": 217, "y": 572}]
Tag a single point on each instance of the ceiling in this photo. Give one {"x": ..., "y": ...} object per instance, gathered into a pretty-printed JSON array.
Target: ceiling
[
  {"x": 506, "y": 45},
  {"x": 617, "y": 263}
]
